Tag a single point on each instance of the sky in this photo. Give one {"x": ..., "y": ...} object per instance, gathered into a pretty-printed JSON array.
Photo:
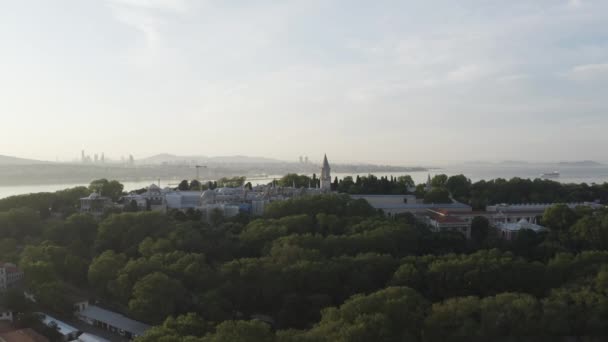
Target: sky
[{"x": 395, "y": 82}]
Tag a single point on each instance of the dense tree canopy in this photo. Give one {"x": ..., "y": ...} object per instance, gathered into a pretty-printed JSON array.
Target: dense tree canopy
[
  {"x": 104, "y": 187},
  {"x": 318, "y": 268}
]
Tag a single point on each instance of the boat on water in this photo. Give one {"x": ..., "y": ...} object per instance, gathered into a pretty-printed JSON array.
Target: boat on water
[{"x": 550, "y": 175}]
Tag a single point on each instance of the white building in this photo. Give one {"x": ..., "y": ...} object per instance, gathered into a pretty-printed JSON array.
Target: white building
[
  {"x": 95, "y": 204},
  {"x": 112, "y": 321},
  {"x": 6, "y": 314},
  {"x": 67, "y": 332},
  {"x": 442, "y": 221},
  {"x": 10, "y": 275},
  {"x": 90, "y": 338},
  {"x": 509, "y": 231},
  {"x": 230, "y": 201}
]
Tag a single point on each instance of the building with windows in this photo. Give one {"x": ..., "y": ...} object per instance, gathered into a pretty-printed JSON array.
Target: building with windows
[
  {"x": 67, "y": 332},
  {"x": 229, "y": 201},
  {"x": 10, "y": 275},
  {"x": 443, "y": 221},
  {"x": 112, "y": 321},
  {"x": 95, "y": 204}
]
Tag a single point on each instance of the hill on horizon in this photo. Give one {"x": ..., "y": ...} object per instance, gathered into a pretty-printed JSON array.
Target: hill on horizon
[
  {"x": 10, "y": 160},
  {"x": 581, "y": 163},
  {"x": 174, "y": 159}
]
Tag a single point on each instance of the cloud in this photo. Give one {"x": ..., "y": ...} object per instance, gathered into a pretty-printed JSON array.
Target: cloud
[
  {"x": 172, "y": 5},
  {"x": 513, "y": 78},
  {"x": 588, "y": 72},
  {"x": 467, "y": 73},
  {"x": 146, "y": 16},
  {"x": 575, "y": 3}
]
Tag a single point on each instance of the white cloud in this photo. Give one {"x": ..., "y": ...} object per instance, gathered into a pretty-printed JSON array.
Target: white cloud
[
  {"x": 575, "y": 3},
  {"x": 172, "y": 5},
  {"x": 467, "y": 73},
  {"x": 513, "y": 78},
  {"x": 588, "y": 72},
  {"x": 146, "y": 16}
]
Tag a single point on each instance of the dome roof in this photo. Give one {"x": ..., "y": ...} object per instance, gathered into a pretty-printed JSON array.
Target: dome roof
[{"x": 94, "y": 196}]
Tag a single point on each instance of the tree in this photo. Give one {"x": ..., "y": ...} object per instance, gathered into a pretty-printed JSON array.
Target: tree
[
  {"x": 112, "y": 189},
  {"x": 131, "y": 207},
  {"x": 155, "y": 297},
  {"x": 183, "y": 185},
  {"x": 14, "y": 300},
  {"x": 459, "y": 186},
  {"x": 195, "y": 185},
  {"x": 510, "y": 314},
  {"x": 187, "y": 328},
  {"x": 392, "y": 314},
  {"x": 439, "y": 181},
  {"x": 437, "y": 195},
  {"x": 241, "y": 331},
  {"x": 480, "y": 228},
  {"x": 559, "y": 217},
  {"x": 591, "y": 232},
  {"x": 293, "y": 179},
  {"x": 407, "y": 181},
  {"x": 580, "y": 312},
  {"x": 104, "y": 269},
  {"x": 453, "y": 318}
]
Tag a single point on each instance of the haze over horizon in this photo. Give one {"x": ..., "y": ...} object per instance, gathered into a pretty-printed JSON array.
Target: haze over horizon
[{"x": 389, "y": 82}]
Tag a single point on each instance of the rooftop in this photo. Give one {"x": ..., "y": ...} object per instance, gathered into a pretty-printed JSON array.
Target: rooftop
[
  {"x": 63, "y": 328},
  {"x": 423, "y": 206},
  {"x": 114, "y": 319},
  {"x": 522, "y": 224},
  {"x": 91, "y": 338}
]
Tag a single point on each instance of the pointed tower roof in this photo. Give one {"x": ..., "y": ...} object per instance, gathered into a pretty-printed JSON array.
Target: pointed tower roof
[{"x": 325, "y": 162}]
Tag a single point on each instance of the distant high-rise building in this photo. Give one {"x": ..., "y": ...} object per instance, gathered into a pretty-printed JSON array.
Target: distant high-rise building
[
  {"x": 96, "y": 158},
  {"x": 306, "y": 159},
  {"x": 103, "y": 157},
  {"x": 131, "y": 159},
  {"x": 325, "y": 175},
  {"x": 301, "y": 159},
  {"x": 83, "y": 159}
]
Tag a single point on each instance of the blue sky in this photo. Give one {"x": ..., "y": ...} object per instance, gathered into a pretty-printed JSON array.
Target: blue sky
[{"x": 400, "y": 82}]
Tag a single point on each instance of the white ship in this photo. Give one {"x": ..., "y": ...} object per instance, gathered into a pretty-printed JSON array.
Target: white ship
[{"x": 550, "y": 175}]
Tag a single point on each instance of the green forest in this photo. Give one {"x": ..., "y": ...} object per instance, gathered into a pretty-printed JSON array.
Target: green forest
[{"x": 318, "y": 268}]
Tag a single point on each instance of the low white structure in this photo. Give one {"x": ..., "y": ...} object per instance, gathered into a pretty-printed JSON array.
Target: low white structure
[
  {"x": 10, "y": 275},
  {"x": 90, "y": 338},
  {"x": 6, "y": 314},
  {"x": 398, "y": 204},
  {"x": 112, "y": 321},
  {"x": 509, "y": 231},
  {"x": 67, "y": 332},
  {"x": 538, "y": 207}
]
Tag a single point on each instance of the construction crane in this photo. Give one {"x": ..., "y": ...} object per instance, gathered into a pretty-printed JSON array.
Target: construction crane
[{"x": 197, "y": 171}]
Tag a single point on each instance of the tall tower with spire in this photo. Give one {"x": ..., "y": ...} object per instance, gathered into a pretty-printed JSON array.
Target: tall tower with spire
[{"x": 325, "y": 175}]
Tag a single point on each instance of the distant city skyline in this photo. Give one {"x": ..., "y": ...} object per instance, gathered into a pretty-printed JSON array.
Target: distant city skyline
[{"x": 384, "y": 82}]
